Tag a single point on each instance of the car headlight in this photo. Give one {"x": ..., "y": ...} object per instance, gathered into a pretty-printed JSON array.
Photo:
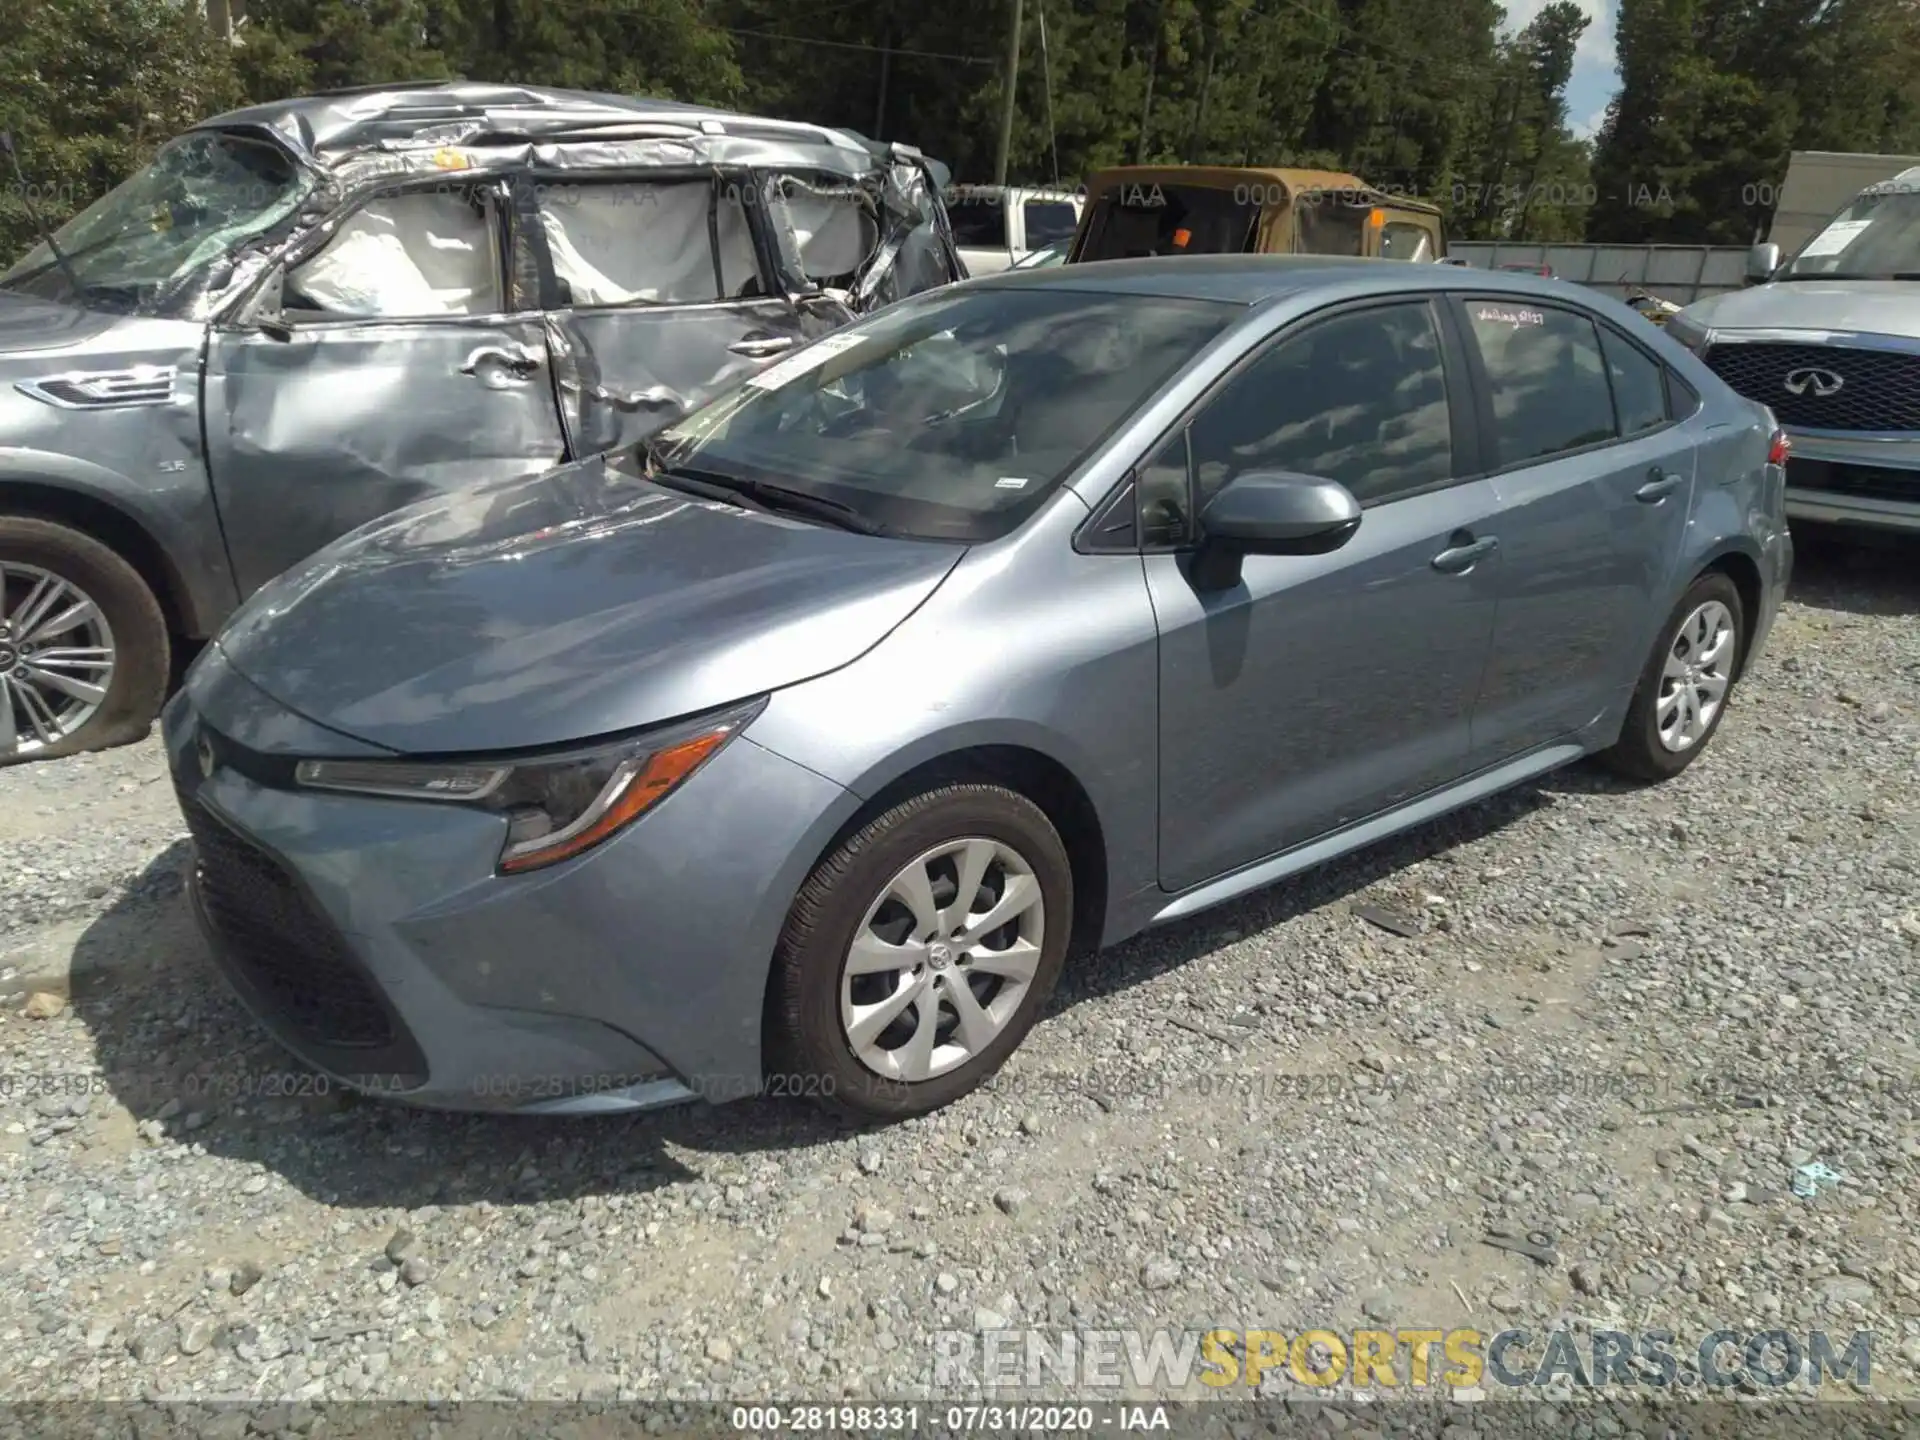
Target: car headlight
[
  {"x": 1690, "y": 333},
  {"x": 557, "y": 805}
]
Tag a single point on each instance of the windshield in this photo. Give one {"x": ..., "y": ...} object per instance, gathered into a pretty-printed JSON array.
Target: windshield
[
  {"x": 204, "y": 192},
  {"x": 1877, "y": 237},
  {"x": 947, "y": 418},
  {"x": 1138, "y": 218}
]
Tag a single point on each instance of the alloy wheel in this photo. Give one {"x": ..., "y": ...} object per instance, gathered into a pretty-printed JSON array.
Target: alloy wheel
[
  {"x": 942, "y": 960},
  {"x": 1695, "y": 678},
  {"x": 56, "y": 659}
]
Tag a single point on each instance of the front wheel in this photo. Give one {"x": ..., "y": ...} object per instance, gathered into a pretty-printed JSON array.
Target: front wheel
[
  {"x": 920, "y": 952},
  {"x": 83, "y": 645},
  {"x": 1685, "y": 686}
]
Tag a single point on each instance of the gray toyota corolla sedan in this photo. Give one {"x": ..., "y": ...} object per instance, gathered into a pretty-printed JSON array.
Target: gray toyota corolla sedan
[{"x": 798, "y": 749}]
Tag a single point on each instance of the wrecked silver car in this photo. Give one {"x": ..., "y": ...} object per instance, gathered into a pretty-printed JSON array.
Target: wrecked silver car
[{"x": 303, "y": 315}]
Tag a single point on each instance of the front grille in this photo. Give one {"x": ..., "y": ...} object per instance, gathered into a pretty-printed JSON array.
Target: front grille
[
  {"x": 292, "y": 955},
  {"x": 1873, "y": 481},
  {"x": 1879, "y": 391}
]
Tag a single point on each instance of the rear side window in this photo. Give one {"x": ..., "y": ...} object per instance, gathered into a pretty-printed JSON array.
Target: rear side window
[
  {"x": 1639, "y": 389},
  {"x": 979, "y": 221},
  {"x": 1048, "y": 222},
  {"x": 615, "y": 243},
  {"x": 1547, "y": 376}
]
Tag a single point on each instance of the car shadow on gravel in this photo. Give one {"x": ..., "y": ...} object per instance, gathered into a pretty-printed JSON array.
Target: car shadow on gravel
[
  {"x": 186, "y": 1062},
  {"x": 178, "y": 1052},
  {"x": 1854, "y": 573}
]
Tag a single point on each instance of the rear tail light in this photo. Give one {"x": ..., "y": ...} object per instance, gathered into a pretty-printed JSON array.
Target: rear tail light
[{"x": 1778, "y": 449}]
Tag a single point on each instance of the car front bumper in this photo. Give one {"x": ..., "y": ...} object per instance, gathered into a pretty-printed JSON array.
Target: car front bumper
[
  {"x": 373, "y": 938},
  {"x": 1850, "y": 480}
]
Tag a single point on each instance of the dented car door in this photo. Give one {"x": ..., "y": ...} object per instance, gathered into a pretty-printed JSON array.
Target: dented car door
[
  {"x": 661, "y": 293},
  {"x": 386, "y": 363}
]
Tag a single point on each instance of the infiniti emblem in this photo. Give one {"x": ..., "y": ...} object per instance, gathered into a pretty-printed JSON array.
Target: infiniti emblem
[
  {"x": 204, "y": 751},
  {"x": 1821, "y": 382}
]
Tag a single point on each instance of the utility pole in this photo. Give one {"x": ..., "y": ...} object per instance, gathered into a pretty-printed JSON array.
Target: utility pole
[{"x": 1006, "y": 110}]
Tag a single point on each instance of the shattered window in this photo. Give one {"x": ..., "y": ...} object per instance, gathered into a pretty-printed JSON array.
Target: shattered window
[
  {"x": 648, "y": 243},
  {"x": 405, "y": 256}
]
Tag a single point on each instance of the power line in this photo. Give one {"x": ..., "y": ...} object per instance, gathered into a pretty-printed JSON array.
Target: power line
[{"x": 869, "y": 49}]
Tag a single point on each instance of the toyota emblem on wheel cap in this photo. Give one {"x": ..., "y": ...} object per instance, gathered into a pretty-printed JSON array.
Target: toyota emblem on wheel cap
[{"x": 1821, "y": 382}]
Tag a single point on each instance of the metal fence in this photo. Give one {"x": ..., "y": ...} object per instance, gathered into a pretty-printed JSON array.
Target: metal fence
[{"x": 1680, "y": 273}]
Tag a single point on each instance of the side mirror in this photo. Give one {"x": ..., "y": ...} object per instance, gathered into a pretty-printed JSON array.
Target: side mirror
[
  {"x": 1267, "y": 512},
  {"x": 1762, "y": 261}
]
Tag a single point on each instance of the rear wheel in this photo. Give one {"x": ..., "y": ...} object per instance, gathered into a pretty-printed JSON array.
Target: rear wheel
[
  {"x": 1684, "y": 689},
  {"x": 83, "y": 646},
  {"x": 920, "y": 952}
]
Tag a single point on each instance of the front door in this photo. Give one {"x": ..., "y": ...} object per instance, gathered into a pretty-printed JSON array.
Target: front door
[
  {"x": 662, "y": 294},
  {"x": 393, "y": 367},
  {"x": 1322, "y": 689},
  {"x": 1595, "y": 480}
]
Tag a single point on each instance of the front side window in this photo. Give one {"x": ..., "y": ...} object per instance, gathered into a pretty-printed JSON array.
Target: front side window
[
  {"x": 202, "y": 195},
  {"x": 1360, "y": 398},
  {"x": 1547, "y": 376},
  {"x": 408, "y": 255},
  {"x": 950, "y": 416},
  {"x": 678, "y": 242}
]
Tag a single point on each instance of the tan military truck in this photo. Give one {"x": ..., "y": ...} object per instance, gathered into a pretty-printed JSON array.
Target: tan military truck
[{"x": 1144, "y": 210}]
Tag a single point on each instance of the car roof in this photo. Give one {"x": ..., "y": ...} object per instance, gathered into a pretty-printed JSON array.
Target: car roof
[
  {"x": 1285, "y": 179},
  {"x": 1255, "y": 279},
  {"x": 362, "y": 118}
]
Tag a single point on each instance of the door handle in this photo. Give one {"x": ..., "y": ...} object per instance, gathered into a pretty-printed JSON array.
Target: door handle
[
  {"x": 1659, "y": 485},
  {"x": 1462, "y": 554},
  {"x": 515, "y": 360},
  {"x": 760, "y": 349}
]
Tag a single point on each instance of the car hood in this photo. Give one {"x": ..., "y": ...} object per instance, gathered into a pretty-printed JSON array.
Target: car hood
[
  {"x": 565, "y": 606},
  {"x": 29, "y": 325},
  {"x": 1879, "y": 307}
]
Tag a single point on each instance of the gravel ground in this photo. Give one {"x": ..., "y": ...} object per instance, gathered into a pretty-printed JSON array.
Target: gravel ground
[{"x": 1625, "y": 1018}]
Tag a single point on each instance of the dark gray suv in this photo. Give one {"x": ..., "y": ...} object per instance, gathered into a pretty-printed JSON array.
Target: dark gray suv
[{"x": 303, "y": 315}]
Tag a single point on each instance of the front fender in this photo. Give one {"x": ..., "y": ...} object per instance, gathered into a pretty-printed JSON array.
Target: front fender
[{"x": 169, "y": 513}]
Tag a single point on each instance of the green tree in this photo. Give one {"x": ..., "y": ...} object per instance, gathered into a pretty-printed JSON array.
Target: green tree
[{"x": 89, "y": 89}]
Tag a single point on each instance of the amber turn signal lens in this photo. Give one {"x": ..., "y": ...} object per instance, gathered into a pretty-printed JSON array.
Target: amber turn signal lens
[{"x": 640, "y": 785}]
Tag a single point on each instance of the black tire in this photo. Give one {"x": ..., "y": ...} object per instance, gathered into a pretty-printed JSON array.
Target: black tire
[
  {"x": 1639, "y": 753},
  {"x": 142, "y": 661},
  {"x": 808, "y": 1050}
]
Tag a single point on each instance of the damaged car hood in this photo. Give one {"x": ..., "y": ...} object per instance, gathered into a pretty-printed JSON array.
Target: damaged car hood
[{"x": 565, "y": 606}]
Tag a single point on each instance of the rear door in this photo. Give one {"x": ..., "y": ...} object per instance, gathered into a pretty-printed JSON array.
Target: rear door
[
  {"x": 1595, "y": 477},
  {"x": 392, "y": 363},
  {"x": 661, "y": 291}
]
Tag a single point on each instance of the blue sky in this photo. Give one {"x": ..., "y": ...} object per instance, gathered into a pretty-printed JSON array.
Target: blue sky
[{"x": 1594, "y": 77}]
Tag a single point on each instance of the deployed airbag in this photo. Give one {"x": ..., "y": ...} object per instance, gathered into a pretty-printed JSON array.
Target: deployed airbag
[{"x": 421, "y": 254}]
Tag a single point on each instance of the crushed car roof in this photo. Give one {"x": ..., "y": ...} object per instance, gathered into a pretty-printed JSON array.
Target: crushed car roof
[{"x": 332, "y": 125}]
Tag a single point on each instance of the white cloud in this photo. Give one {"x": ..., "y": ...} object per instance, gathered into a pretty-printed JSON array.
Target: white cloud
[{"x": 1595, "y": 79}]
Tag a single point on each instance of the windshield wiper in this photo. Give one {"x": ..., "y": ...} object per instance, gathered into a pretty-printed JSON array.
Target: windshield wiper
[
  {"x": 764, "y": 496},
  {"x": 33, "y": 214}
]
